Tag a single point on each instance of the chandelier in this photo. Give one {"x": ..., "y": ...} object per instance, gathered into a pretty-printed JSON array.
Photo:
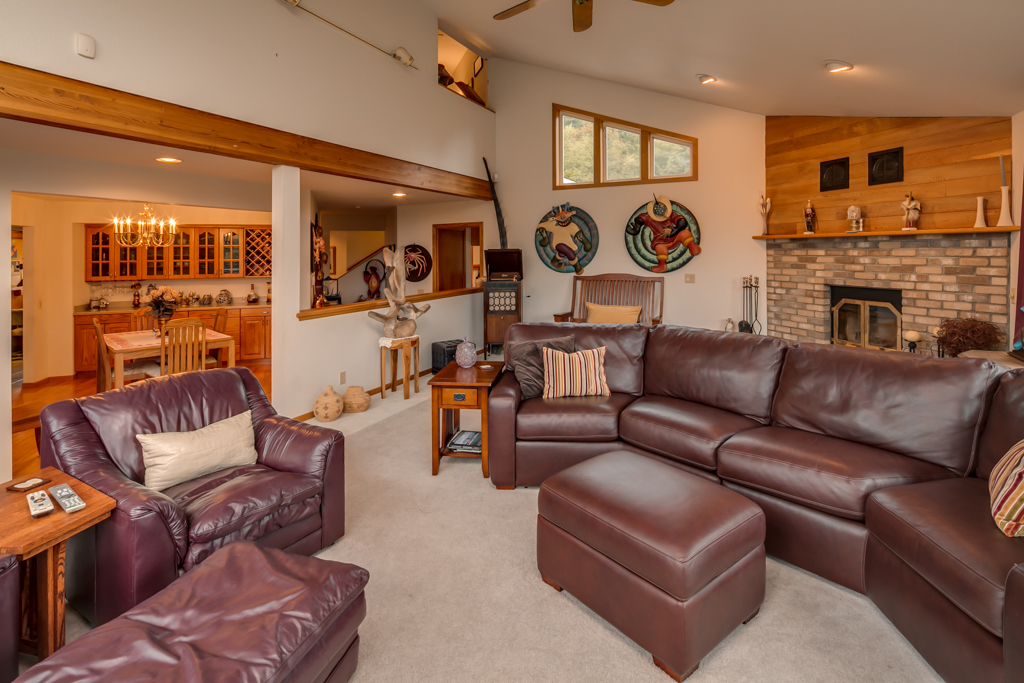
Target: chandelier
[{"x": 147, "y": 231}]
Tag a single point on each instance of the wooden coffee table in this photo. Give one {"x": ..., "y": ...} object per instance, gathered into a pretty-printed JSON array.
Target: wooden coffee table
[
  {"x": 454, "y": 389},
  {"x": 41, "y": 543}
]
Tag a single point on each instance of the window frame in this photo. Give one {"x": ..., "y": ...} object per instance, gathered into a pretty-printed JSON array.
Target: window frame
[{"x": 647, "y": 136}]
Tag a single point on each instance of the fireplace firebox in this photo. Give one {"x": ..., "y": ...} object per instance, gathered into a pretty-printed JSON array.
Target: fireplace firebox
[{"x": 867, "y": 317}]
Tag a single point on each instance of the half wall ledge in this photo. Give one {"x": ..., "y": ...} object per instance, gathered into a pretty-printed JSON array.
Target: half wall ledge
[{"x": 326, "y": 312}]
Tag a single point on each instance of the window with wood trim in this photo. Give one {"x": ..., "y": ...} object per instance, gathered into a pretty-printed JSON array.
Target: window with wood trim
[{"x": 591, "y": 150}]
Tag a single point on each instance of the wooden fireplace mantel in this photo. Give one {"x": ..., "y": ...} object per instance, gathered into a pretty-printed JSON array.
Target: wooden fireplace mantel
[{"x": 886, "y": 233}]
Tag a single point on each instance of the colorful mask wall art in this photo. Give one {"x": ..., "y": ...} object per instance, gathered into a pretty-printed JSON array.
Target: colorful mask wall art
[
  {"x": 418, "y": 263},
  {"x": 567, "y": 239},
  {"x": 662, "y": 236}
]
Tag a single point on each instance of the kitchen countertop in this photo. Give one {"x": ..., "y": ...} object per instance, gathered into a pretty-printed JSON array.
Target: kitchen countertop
[{"x": 126, "y": 307}]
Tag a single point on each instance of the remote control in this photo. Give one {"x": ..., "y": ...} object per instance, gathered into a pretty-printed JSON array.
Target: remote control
[
  {"x": 39, "y": 504},
  {"x": 67, "y": 498}
]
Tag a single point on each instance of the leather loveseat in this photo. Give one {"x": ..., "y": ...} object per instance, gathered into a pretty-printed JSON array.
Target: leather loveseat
[
  {"x": 292, "y": 498},
  {"x": 870, "y": 466}
]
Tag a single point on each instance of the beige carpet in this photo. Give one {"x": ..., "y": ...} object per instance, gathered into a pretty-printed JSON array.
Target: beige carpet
[{"x": 454, "y": 593}]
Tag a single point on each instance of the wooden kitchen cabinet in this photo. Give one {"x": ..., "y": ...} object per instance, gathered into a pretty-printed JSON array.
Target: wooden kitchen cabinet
[
  {"x": 99, "y": 253},
  {"x": 230, "y": 252},
  {"x": 85, "y": 336},
  {"x": 181, "y": 256},
  {"x": 206, "y": 252},
  {"x": 254, "y": 333}
]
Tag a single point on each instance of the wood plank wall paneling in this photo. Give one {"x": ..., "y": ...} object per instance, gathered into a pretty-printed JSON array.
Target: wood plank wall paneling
[
  {"x": 40, "y": 97},
  {"x": 948, "y": 163}
]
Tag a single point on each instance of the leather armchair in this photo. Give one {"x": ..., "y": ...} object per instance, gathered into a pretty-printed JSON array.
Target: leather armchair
[
  {"x": 293, "y": 498},
  {"x": 10, "y": 618}
]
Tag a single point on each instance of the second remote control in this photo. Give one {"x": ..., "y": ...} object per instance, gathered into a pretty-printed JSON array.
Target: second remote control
[{"x": 67, "y": 498}]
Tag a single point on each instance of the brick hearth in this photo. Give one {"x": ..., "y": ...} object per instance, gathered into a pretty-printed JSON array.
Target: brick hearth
[{"x": 940, "y": 277}]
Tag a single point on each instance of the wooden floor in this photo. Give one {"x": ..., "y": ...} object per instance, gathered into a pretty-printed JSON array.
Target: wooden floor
[{"x": 26, "y": 456}]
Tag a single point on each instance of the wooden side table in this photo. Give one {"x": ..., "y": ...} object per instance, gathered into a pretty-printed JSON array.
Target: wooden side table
[
  {"x": 409, "y": 346},
  {"x": 41, "y": 543},
  {"x": 454, "y": 389}
]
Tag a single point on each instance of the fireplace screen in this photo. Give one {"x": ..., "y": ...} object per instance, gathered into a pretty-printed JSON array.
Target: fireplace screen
[{"x": 866, "y": 324}]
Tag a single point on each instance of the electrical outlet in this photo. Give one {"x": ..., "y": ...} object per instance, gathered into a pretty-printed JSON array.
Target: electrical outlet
[
  {"x": 690, "y": 278},
  {"x": 341, "y": 377}
]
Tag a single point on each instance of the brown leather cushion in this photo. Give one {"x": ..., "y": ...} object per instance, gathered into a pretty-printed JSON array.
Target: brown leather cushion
[
  {"x": 728, "y": 370},
  {"x": 246, "y": 503},
  {"x": 526, "y": 360},
  {"x": 623, "y": 360},
  {"x": 944, "y": 531},
  {"x": 680, "y": 430},
  {"x": 247, "y": 614},
  {"x": 672, "y": 528},
  {"x": 1005, "y": 424},
  {"x": 575, "y": 418},
  {"x": 926, "y": 408},
  {"x": 178, "y": 403},
  {"x": 818, "y": 471}
]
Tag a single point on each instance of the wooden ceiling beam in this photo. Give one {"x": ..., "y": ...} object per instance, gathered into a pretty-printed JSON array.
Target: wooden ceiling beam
[{"x": 47, "y": 99}]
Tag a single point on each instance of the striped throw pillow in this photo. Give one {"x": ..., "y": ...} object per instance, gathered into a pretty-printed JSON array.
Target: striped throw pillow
[
  {"x": 574, "y": 374},
  {"x": 1006, "y": 490}
]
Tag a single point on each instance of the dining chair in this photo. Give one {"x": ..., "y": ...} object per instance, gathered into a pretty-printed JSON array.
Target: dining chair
[
  {"x": 220, "y": 324},
  {"x": 141, "y": 320},
  {"x": 133, "y": 372},
  {"x": 183, "y": 346}
]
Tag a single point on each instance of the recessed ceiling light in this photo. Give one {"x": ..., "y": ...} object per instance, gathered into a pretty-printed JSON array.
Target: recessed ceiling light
[
  {"x": 398, "y": 194},
  {"x": 705, "y": 79},
  {"x": 169, "y": 160},
  {"x": 835, "y": 66}
]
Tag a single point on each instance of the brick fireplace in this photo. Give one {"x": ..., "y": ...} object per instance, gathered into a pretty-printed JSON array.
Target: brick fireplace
[{"x": 938, "y": 275}]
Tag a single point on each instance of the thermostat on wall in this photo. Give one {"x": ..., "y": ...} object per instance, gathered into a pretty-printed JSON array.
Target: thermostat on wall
[{"x": 85, "y": 45}]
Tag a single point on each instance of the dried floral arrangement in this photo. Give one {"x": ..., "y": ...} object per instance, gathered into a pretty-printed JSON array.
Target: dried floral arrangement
[{"x": 957, "y": 335}]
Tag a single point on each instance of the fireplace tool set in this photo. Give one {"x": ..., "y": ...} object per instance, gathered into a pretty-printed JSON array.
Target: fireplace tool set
[{"x": 749, "y": 322}]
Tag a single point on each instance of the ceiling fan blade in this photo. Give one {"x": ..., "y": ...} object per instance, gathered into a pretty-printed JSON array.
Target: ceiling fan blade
[
  {"x": 521, "y": 7},
  {"x": 582, "y": 14},
  {"x": 659, "y": 3}
]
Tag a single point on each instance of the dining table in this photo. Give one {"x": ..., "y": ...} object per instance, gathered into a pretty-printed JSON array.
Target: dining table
[{"x": 125, "y": 346}]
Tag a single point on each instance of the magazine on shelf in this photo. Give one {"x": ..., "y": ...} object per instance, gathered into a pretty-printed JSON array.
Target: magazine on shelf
[{"x": 466, "y": 442}]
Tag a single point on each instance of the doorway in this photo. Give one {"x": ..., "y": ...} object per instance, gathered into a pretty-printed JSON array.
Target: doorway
[{"x": 458, "y": 251}]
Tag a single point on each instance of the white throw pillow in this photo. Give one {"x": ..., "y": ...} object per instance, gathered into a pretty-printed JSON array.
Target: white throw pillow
[{"x": 175, "y": 457}]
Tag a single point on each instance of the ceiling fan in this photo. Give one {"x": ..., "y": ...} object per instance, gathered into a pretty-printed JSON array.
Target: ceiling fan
[{"x": 582, "y": 11}]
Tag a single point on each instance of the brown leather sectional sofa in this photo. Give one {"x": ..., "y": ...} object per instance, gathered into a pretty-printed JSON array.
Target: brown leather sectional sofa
[{"x": 870, "y": 467}]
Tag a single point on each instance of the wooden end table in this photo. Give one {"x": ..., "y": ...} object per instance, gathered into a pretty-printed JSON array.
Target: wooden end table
[
  {"x": 41, "y": 543},
  {"x": 410, "y": 348},
  {"x": 454, "y": 389}
]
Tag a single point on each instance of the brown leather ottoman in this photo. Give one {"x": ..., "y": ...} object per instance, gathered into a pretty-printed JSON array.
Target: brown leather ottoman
[
  {"x": 673, "y": 561},
  {"x": 247, "y": 613}
]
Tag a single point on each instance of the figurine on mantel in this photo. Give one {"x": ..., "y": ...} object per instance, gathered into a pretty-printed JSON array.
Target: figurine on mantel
[
  {"x": 911, "y": 212},
  {"x": 400, "y": 320},
  {"x": 766, "y": 210},
  {"x": 809, "y": 218}
]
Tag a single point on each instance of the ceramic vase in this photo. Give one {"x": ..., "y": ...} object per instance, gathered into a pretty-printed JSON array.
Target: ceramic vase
[
  {"x": 465, "y": 354},
  {"x": 252, "y": 297},
  {"x": 356, "y": 400},
  {"x": 1005, "y": 215},
  {"x": 980, "y": 222},
  {"x": 328, "y": 405}
]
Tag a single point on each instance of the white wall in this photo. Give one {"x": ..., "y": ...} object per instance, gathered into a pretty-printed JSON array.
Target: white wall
[
  {"x": 39, "y": 173},
  {"x": 416, "y": 225},
  {"x": 55, "y": 269},
  {"x": 268, "y": 63},
  {"x": 724, "y": 200}
]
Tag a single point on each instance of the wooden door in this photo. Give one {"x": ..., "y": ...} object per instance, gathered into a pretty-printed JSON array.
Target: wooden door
[
  {"x": 206, "y": 252},
  {"x": 181, "y": 262},
  {"x": 229, "y": 256},
  {"x": 128, "y": 267},
  {"x": 449, "y": 258},
  {"x": 155, "y": 265},
  {"x": 254, "y": 338},
  {"x": 99, "y": 252}
]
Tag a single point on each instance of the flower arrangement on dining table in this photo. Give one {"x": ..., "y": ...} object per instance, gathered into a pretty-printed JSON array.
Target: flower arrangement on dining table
[{"x": 162, "y": 302}]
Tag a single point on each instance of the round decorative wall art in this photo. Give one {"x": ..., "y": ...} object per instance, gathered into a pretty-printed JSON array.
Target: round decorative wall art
[
  {"x": 417, "y": 263},
  {"x": 567, "y": 239},
  {"x": 662, "y": 236}
]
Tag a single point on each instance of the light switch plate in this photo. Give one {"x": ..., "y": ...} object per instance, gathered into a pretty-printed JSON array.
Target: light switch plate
[
  {"x": 85, "y": 45},
  {"x": 341, "y": 377},
  {"x": 690, "y": 278}
]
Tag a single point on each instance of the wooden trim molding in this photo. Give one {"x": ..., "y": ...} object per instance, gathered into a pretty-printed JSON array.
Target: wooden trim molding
[
  {"x": 328, "y": 311},
  {"x": 647, "y": 135},
  {"x": 47, "y": 99},
  {"x": 884, "y": 233}
]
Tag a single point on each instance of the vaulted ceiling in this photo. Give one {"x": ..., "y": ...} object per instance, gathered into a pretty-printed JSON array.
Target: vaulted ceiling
[{"x": 911, "y": 57}]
